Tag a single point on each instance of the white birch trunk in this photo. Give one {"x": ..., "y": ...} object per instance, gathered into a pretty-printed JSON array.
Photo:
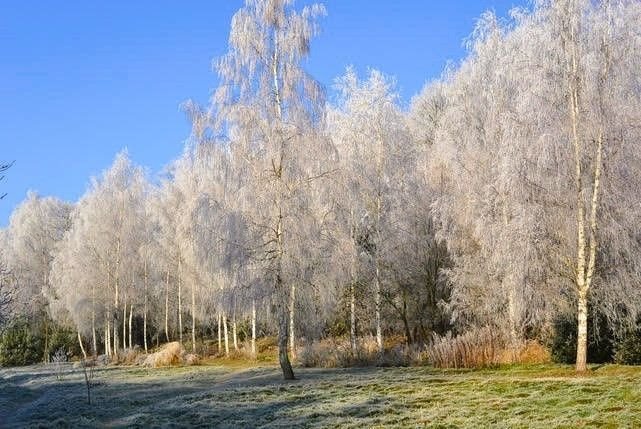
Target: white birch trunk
[
  {"x": 124, "y": 325},
  {"x": 254, "y": 329},
  {"x": 180, "y": 309},
  {"x": 167, "y": 307},
  {"x": 193, "y": 317},
  {"x": 131, "y": 315},
  {"x": 108, "y": 339},
  {"x": 292, "y": 338},
  {"x": 226, "y": 335},
  {"x": 82, "y": 348},
  {"x": 144, "y": 314},
  {"x": 234, "y": 332},
  {"x": 220, "y": 333}
]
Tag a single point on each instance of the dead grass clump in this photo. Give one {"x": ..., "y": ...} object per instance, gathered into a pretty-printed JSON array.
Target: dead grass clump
[
  {"x": 479, "y": 348},
  {"x": 534, "y": 352},
  {"x": 169, "y": 355},
  {"x": 131, "y": 356}
]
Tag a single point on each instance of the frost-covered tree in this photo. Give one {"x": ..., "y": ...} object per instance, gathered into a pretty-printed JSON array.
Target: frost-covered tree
[
  {"x": 35, "y": 228},
  {"x": 95, "y": 270},
  {"x": 273, "y": 106},
  {"x": 533, "y": 187},
  {"x": 371, "y": 136}
]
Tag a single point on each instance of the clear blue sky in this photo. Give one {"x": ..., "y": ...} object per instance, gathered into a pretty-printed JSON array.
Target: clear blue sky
[{"x": 79, "y": 81}]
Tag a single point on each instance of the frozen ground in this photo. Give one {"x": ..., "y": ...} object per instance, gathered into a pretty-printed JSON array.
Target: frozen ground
[{"x": 215, "y": 396}]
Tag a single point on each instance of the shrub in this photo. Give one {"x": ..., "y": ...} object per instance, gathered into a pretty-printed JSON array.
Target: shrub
[
  {"x": 628, "y": 349},
  {"x": 20, "y": 345},
  {"x": 65, "y": 339},
  {"x": 563, "y": 341}
]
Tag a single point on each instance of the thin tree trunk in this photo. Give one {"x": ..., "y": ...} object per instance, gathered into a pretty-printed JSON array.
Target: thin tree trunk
[
  {"x": 292, "y": 338},
  {"x": 352, "y": 286},
  {"x": 144, "y": 315},
  {"x": 220, "y": 333},
  {"x": 283, "y": 320},
  {"x": 82, "y": 347},
  {"x": 93, "y": 333},
  {"x": 93, "y": 320},
  {"x": 108, "y": 349},
  {"x": 131, "y": 316},
  {"x": 180, "y": 309},
  {"x": 377, "y": 304},
  {"x": 406, "y": 323},
  {"x": 124, "y": 325},
  {"x": 115, "y": 334},
  {"x": 167, "y": 308},
  {"x": 254, "y": 328},
  {"x": 226, "y": 335},
  {"x": 193, "y": 317},
  {"x": 352, "y": 316},
  {"x": 234, "y": 332},
  {"x": 45, "y": 358},
  {"x": 377, "y": 292}
]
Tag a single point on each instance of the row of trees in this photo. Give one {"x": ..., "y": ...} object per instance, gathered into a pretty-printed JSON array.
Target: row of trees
[{"x": 506, "y": 195}]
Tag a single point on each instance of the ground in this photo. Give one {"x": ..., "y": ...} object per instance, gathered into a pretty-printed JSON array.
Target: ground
[{"x": 239, "y": 396}]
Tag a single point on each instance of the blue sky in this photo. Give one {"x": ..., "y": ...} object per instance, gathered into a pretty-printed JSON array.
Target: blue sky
[{"x": 79, "y": 81}]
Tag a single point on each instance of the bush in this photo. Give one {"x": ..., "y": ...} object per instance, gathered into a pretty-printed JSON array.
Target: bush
[
  {"x": 563, "y": 341},
  {"x": 628, "y": 349},
  {"x": 64, "y": 339},
  {"x": 20, "y": 345}
]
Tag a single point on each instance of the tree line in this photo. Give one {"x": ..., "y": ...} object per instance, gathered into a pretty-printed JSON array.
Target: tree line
[{"x": 507, "y": 194}]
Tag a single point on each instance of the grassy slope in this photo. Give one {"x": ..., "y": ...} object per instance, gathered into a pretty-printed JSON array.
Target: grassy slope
[{"x": 237, "y": 396}]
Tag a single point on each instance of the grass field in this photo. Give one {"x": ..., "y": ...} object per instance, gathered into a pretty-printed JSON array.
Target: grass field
[{"x": 239, "y": 396}]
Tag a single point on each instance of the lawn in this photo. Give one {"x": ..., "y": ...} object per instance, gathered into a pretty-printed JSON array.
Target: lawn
[{"x": 239, "y": 396}]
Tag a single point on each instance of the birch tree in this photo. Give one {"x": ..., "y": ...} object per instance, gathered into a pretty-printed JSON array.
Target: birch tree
[
  {"x": 273, "y": 104},
  {"x": 371, "y": 134}
]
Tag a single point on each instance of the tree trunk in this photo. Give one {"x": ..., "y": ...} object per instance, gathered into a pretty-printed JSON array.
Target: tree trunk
[
  {"x": 124, "y": 325},
  {"x": 582, "y": 337},
  {"x": 93, "y": 320},
  {"x": 254, "y": 328},
  {"x": 377, "y": 304},
  {"x": 283, "y": 358},
  {"x": 93, "y": 333},
  {"x": 406, "y": 323},
  {"x": 226, "y": 335},
  {"x": 180, "y": 309},
  {"x": 131, "y": 315},
  {"x": 115, "y": 334},
  {"x": 220, "y": 333},
  {"x": 108, "y": 338},
  {"x": 193, "y": 317},
  {"x": 234, "y": 332},
  {"x": 45, "y": 358},
  {"x": 82, "y": 348},
  {"x": 352, "y": 316},
  {"x": 144, "y": 313},
  {"x": 292, "y": 337},
  {"x": 283, "y": 320},
  {"x": 167, "y": 308}
]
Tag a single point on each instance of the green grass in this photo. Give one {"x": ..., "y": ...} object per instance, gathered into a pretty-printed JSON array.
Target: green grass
[{"x": 219, "y": 396}]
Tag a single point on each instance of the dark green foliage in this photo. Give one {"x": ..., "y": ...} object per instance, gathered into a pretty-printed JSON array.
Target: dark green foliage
[
  {"x": 23, "y": 343},
  {"x": 628, "y": 348},
  {"x": 563, "y": 341},
  {"x": 65, "y": 339},
  {"x": 20, "y": 345}
]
